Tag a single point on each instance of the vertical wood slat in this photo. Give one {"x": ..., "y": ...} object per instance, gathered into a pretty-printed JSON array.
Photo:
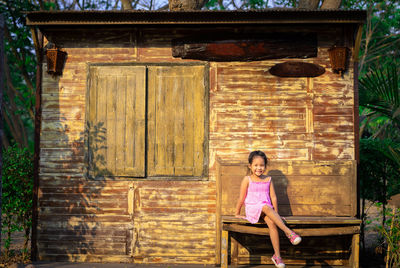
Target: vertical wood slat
[
  {"x": 224, "y": 249},
  {"x": 355, "y": 251},
  {"x": 117, "y": 103},
  {"x": 176, "y": 112}
]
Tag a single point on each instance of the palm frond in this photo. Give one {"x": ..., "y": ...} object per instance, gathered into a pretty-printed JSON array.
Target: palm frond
[{"x": 379, "y": 93}]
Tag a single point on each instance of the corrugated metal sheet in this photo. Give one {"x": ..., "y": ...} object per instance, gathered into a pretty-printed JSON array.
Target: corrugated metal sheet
[{"x": 136, "y": 17}]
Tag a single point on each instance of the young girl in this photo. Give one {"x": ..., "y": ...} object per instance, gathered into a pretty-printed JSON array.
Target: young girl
[{"x": 258, "y": 194}]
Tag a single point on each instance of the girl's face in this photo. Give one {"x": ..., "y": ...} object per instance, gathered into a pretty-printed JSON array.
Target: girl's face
[{"x": 257, "y": 167}]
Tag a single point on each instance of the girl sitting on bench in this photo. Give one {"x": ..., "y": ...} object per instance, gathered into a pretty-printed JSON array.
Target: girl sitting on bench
[{"x": 258, "y": 194}]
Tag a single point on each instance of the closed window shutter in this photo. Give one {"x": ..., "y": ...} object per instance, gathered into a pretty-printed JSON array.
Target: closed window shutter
[
  {"x": 176, "y": 111},
  {"x": 116, "y": 121}
]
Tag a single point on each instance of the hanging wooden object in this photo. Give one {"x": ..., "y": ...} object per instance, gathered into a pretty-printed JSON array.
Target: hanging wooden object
[
  {"x": 247, "y": 48},
  {"x": 297, "y": 69},
  {"x": 338, "y": 59},
  {"x": 55, "y": 61}
]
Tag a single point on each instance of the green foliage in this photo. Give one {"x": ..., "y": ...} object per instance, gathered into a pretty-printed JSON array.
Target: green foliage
[
  {"x": 17, "y": 182},
  {"x": 380, "y": 102},
  {"x": 20, "y": 73},
  {"x": 391, "y": 233},
  {"x": 379, "y": 171},
  {"x": 381, "y": 38}
]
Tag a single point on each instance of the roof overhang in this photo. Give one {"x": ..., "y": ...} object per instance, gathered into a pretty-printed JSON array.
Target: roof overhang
[{"x": 137, "y": 17}]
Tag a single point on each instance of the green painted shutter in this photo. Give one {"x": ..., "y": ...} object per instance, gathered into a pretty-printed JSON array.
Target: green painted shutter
[
  {"x": 176, "y": 112},
  {"x": 116, "y": 121}
]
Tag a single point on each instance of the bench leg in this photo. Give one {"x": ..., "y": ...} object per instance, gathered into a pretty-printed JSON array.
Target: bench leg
[
  {"x": 355, "y": 251},
  {"x": 224, "y": 248},
  {"x": 234, "y": 251}
]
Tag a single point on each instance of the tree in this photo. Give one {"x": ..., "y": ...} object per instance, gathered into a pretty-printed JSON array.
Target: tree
[{"x": 19, "y": 66}]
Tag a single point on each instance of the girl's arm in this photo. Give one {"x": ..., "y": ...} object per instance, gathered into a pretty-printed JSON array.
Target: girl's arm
[
  {"x": 242, "y": 196},
  {"x": 272, "y": 195}
]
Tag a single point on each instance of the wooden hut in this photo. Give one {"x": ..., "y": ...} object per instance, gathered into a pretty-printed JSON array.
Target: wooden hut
[{"x": 144, "y": 131}]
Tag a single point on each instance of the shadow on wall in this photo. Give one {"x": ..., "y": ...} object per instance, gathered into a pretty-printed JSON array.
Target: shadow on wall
[
  {"x": 281, "y": 184},
  {"x": 72, "y": 225}
]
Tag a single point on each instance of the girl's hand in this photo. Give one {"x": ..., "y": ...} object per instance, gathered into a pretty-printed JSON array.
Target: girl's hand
[{"x": 240, "y": 216}]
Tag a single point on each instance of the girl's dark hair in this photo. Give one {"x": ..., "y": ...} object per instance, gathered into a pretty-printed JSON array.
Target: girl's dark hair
[{"x": 255, "y": 154}]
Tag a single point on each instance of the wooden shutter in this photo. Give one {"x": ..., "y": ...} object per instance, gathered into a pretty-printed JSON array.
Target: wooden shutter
[
  {"x": 116, "y": 121},
  {"x": 176, "y": 112}
]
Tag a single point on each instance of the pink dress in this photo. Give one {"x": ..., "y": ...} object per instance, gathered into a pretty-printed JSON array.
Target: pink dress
[{"x": 257, "y": 197}]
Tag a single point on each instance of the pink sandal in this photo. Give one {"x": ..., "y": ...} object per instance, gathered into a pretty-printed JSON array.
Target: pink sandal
[
  {"x": 278, "y": 261},
  {"x": 294, "y": 238}
]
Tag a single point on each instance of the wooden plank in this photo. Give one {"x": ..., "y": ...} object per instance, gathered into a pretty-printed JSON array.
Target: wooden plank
[
  {"x": 313, "y": 261},
  {"x": 116, "y": 120},
  {"x": 97, "y": 131},
  {"x": 303, "y": 187},
  {"x": 355, "y": 251},
  {"x": 200, "y": 103},
  {"x": 234, "y": 251},
  {"x": 218, "y": 216},
  {"x": 120, "y": 124},
  {"x": 110, "y": 107},
  {"x": 302, "y": 220},
  {"x": 133, "y": 123},
  {"x": 176, "y": 121},
  {"x": 354, "y": 196},
  {"x": 224, "y": 248},
  {"x": 233, "y": 48},
  {"x": 326, "y": 231}
]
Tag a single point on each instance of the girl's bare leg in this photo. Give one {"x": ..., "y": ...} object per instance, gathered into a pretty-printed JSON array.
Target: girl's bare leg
[
  {"x": 274, "y": 235},
  {"x": 273, "y": 216}
]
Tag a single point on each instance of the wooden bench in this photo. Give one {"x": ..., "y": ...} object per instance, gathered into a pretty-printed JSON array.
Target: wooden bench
[{"x": 318, "y": 200}]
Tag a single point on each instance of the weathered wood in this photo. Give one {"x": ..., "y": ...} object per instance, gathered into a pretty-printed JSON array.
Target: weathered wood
[
  {"x": 224, "y": 248},
  {"x": 234, "y": 251},
  {"x": 218, "y": 217},
  {"x": 355, "y": 251},
  {"x": 237, "y": 48},
  {"x": 304, "y": 188},
  {"x": 116, "y": 133},
  {"x": 176, "y": 116},
  {"x": 309, "y": 220},
  {"x": 257, "y": 259},
  {"x": 39, "y": 40},
  {"x": 176, "y": 220},
  {"x": 297, "y": 69},
  {"x": 326, "y": 231}
]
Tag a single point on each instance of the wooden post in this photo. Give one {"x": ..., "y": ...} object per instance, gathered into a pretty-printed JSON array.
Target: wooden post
[
  {"x": 234, "y": 251},
  {"x": 224, "y": 248},
  {"x": 355, "y": 251},
  {"x": 38, "y": 41},
  {"x": 218, "y": 216}
]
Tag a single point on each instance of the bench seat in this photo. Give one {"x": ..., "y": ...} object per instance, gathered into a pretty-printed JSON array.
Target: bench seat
[
  {"x": 305, "y": 226},
  {"x": 313, "y": 220}
]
